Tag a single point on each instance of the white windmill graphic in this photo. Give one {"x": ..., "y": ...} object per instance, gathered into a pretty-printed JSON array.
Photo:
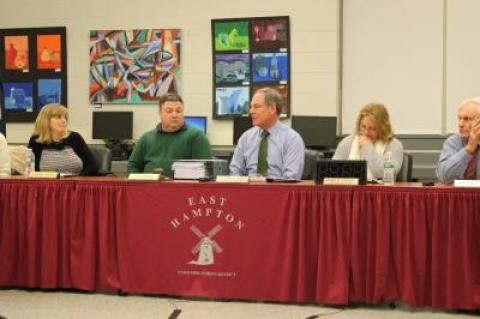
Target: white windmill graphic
[{"x": 205, "y": 246}]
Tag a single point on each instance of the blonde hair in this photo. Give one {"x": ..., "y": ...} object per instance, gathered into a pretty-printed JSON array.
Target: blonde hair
[
  {"x": 42, "y": 123},
  {"x": 380, "y": 115}
]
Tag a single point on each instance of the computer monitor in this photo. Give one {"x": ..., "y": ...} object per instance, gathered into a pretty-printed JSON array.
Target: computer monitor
[
  {"x": 318, "y": 132},
  {"x": 199, "y": 122},
  {"x": 240, "y": 125},
  {"x": 112, "y": 125}
]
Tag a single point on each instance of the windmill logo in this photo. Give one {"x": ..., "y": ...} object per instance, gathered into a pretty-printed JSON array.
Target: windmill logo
[{"x": 206, "y": 246}]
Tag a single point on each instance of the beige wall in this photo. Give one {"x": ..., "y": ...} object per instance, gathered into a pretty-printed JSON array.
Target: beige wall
[{"x": 314, "y": 36}]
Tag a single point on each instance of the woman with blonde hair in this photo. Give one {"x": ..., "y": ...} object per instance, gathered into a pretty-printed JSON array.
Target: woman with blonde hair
[
  {"x": 58, "y": 149},
  {"x": 372, "y": 141}
]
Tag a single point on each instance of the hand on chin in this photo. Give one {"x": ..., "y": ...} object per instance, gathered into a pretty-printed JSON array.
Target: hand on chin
[{"x": 364, "y": 140}]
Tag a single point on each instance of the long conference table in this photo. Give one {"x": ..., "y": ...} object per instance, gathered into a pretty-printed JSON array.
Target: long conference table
[{"x": 264, "y": 241}]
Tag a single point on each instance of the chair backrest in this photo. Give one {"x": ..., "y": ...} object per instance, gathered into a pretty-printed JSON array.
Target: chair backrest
[
  {"x": 405, "y": 173},
  {"x": 17, "y": 156},
  {"x": 103, "y": 158},
  {"x": 309, "y": 167}
]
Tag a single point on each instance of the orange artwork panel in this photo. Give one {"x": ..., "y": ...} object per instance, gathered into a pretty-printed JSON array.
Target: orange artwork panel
[
  {"x": 49, "y": 52},
  {"x": 16, "y": 52}
]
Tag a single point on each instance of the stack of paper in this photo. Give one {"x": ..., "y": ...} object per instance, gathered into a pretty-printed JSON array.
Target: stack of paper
[{"x": 190, "y": 169}]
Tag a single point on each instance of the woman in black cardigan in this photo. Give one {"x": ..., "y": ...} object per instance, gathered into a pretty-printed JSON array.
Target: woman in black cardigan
[{"x": 58, "y": 149}]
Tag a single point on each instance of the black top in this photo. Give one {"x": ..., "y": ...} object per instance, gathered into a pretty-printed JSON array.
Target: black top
[{"x": 76, "y": 142}]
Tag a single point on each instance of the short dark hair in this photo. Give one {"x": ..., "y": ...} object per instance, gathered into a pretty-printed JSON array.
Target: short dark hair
[
  {"x": 169, "y": 97},
  {"x": 272, "y": 96}
]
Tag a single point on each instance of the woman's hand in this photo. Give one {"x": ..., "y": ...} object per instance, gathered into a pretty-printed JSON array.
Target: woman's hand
[{"x": 364, "y": 140}]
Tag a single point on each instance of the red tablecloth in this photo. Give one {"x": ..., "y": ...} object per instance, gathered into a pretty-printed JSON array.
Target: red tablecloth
[
  {"x": 267, "y": 242},
  {"x": 59, "y": 234},
  {"x": 419, "y": 245},
  {"x": 297, "y": 243}
]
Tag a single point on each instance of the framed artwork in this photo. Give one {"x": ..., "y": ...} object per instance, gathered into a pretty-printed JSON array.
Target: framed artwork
[
  {"x": 16, "y": 53},
  {"x": 232, "y": 100},
  {"x": 231, "y": 35},
  {"x": 248, "y": 54},
  {"x": 133, "y": 66},
  {"x": 49, "y": 52},
  {"x": 270, "y": 67},
  {"x": 33, "y": 71},
  {"x": 270, "y": 34},
  {"x": 18, "y": 96},
  {"x": 232, "y": 68},
  {"x": 49, "y": 91}
]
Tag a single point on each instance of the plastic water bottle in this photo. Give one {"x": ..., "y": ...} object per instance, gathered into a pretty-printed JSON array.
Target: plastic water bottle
[
  {"x": 29, "y": 162},
  {"x": 388, "y": 170}
]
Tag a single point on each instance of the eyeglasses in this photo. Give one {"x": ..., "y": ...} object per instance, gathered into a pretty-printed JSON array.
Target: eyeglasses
[{"x": 364, "y": 128}]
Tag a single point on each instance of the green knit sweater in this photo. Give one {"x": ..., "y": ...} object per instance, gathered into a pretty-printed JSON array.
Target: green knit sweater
[{"x": 159, "y": 149}]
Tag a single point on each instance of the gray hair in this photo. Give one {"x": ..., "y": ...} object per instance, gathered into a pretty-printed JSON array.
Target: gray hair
[{"x": 472, "y": 100}]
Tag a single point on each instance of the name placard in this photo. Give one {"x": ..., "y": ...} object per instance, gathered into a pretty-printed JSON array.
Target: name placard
[
  {"x": 466, "y": 183},
  {"x": 144, "y": 176},
  {"x": 257, "y": 178},
  {"x": 44, "y": 174},
  {"x": 231, "y": 179},
  {"x": 340, "y": 181}
]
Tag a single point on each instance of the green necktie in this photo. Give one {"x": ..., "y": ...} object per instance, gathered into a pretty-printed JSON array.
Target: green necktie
[{"x": 262, "y": 154}]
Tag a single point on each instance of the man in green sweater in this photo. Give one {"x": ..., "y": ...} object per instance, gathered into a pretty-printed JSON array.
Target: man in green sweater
[{"x": 172, "y": 139}]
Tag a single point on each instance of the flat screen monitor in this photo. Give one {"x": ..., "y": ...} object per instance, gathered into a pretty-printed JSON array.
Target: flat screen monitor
[
  {"x": 112, "y": 125},
  {"x": 318, "y": 132},
  {"x": 199, "y": 122},
  {"x": 240, "y": 125}
]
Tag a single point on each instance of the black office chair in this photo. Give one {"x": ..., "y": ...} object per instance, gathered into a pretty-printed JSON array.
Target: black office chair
[
  {"x": 103, "y": 158},
  {"x": 309, "y": 167},
  {"x": 405, "y": 173}
]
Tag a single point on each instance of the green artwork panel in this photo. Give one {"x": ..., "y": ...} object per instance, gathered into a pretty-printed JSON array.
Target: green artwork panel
[{"x": 232, "y": 36}]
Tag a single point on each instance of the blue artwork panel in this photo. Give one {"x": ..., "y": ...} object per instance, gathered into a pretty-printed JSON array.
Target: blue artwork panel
[
  {"x": 18, "y": 96},
  {"x": 49, "y": 91},
  {"x": 270, "y": 67},
  {"x": 232, "y": 100}
]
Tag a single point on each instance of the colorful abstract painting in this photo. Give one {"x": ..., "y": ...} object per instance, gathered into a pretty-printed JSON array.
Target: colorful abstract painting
[
  {"x": 133, "y": 66},
  {"x": 49, "y": 91},
  {"x": 16, "y": 53},
  {"x": 49, "y": 52}
]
